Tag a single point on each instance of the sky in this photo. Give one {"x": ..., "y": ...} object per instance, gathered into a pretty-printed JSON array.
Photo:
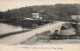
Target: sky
[{"x": 12, "y": 4}]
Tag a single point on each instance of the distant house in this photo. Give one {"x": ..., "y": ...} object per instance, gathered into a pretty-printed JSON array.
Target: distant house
[{"x": 76, "y": 17}]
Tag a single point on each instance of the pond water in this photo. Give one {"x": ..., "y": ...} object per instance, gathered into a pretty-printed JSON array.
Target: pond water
[{"x": 6, "y": 28}]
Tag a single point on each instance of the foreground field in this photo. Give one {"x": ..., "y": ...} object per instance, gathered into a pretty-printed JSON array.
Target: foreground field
[{"x": 46, "y": 42}]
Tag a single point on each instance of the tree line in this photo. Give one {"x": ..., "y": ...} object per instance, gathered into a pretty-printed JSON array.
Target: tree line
[{"x": 48, "y": 12}]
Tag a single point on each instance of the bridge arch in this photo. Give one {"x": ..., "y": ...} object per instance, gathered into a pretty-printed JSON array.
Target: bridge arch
[{"x": 56, "y": 30}]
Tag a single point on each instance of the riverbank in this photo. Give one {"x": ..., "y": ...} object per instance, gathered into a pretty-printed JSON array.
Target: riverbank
[
  {"x": 25, "y": 23},
  {"x": 13, "y": 33}
]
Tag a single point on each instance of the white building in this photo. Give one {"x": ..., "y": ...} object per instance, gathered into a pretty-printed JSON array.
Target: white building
[
  {"x": 35, "y": 15},
  {"x": 76, "y": 17}
]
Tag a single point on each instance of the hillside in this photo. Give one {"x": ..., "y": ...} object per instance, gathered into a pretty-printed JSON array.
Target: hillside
[{"x": 49, "y": 12}]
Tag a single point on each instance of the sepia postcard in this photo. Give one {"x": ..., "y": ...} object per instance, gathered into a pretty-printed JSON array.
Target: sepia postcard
[{"x": 39, "y": 25}]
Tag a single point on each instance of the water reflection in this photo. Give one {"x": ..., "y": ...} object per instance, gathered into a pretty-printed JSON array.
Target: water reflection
[{"x": 6, "y": 28}]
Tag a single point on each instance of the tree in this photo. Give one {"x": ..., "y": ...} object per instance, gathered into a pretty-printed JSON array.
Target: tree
[{"x": 1, "y": 15}]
